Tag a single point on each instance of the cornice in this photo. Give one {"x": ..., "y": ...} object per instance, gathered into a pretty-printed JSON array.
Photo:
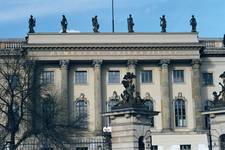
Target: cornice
[
  {"x": 119, "y": 46},
  {"x": 213, "y": 52}
]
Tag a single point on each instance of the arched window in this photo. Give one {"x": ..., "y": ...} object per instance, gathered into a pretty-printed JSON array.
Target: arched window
[
  {"x": 180, "y": 113},
  {"x": 141, "y": 144},
  {"x": 81, "y": 114},
  {"x": 222, "y": 142},
  {"x": 149, "y": 103}
]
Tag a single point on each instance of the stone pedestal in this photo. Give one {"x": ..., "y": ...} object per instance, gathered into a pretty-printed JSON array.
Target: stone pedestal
[{"x": 129, "y": 127}]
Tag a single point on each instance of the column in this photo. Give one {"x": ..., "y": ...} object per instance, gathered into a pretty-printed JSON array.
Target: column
[
  {"x": 196, "y": 93},
  {"x": 131, "y": 67},
  {"x": 97, "y": 95},
  {"x": 64, "y": 90},
  {"x": 165, "y": 94}
]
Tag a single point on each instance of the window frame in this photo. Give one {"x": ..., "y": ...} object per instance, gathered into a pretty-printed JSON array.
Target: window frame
[
  {"x": 203, "y": 79},
  {"x": 180, "y": 116},
  {"x": 75, "y": 77},
  {"x": 150, "y": 77},
  {"x": 109, "y": 79},
  {"x": 173, "y": 75},
  {"x": 44, "y": 77}
]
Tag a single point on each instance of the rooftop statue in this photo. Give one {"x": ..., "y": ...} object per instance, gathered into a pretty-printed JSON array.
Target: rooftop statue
[
  {"x": 224, "y": 40},
  {"x": 95, "y": 24},
  {"x": 163, "y": 23},
  {"x": 32, "y": 23},
  {"x": 219, "y": 99},
  {"x": 130, "y": 24},
  {"x": 193, "y": 23},
  {"x": 64, "y": 24}
]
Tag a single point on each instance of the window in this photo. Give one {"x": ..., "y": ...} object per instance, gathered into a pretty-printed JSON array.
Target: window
[
  {"x": 180, "y": 113},
  {"x": 146, "y": 76},
  {"x": 14, "y": 80},
  {"x": 47, "y": 77},
  {"x": 178, "y": 75},
  {"x": 81, "y": 113},
  {"x": 81, "y": 148},
  {"x": 207, "y": 79},
  {"x": 185, "y": 147},
  {"x": 150, "y": 106},
  {"x": 154, "y": 147},
  {"x": 114, "y": 77},
  {"x": 222, "y": 142},
  {"x": 81, "y": 77}
]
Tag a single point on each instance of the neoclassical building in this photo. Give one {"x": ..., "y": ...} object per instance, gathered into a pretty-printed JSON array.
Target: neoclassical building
[{"x": 176, "y": 75}]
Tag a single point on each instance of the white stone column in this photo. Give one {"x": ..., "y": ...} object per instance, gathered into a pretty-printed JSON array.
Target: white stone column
[
  {"x": 165, "y": 94},
  {"x": 64, "y": 89},
  {"x": 196, "y": 93},
  {"x": 97, "y": 95}
]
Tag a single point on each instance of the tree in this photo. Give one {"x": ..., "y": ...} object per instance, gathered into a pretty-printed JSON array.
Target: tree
[{"x": 24, "y": 103}]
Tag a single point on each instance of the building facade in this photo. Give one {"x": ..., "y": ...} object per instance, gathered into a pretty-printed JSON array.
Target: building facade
[{"x": 176, "y": 75}]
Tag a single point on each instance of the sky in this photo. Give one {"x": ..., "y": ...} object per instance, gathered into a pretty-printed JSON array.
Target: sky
[{"x": 14, "y": 15}]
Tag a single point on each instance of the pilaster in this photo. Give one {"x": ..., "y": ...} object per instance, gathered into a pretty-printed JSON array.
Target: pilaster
[
  {"x": 131, "y": 67},
  {"x": 165, "y": 94},
  {"x": 196, "y": 93},
  {"x": 97, "y": 95},
  {"x": 64, "y": 89}
]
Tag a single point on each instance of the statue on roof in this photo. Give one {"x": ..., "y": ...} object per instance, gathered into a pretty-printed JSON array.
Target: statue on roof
[
  {"x": 95, "y": 24},
  {"x": 32, "y": 23},
  {"x": 130, "y": 24},
  {"x": 64, "y": 24},
  {"x": 193, "y": 23},
  {"x": 163, "y": 23}
]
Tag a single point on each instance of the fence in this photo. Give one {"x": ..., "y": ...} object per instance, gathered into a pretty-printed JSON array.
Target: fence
[{"x": 97, "y": 143}]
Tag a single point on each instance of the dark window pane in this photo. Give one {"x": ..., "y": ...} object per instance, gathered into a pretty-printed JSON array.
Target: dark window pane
[
  {"x": 178, "y": 75},
  {"x": 146, "y": 76},
  {"x": 47, "y": 77},
  {"x": 180, "y": 113},
  {"x": 207, "y": 79},
  {"x": 81, "y": 77},
  {"x": 114, "y": 77},
  {"x": 81, "y": 113},
  {"x": 185, "y": 147}
]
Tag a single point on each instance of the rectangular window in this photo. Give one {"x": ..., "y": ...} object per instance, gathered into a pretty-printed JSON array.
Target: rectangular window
[
  {"x": 114, "y": 77},
  {"x": 81, "y": 77},
  {"x": 47, "y": 77},
  {"x": 185, "y": 147},
  {"x": 146, "y": 76},
  {"x": 154, "y": 147},
  {"x": 178, "y": 76},
  {"x": 207, "y": 78},
  {"x": 14, "y": 80}
]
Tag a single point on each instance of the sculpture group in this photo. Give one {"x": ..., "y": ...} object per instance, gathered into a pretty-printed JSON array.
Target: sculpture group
[
  {"x": 219, "y": 99},
  {"x": 95, "y": 24}
]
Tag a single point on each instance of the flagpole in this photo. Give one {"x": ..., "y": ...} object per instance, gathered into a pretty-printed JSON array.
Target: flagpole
[{"x": 112, "y": 15}]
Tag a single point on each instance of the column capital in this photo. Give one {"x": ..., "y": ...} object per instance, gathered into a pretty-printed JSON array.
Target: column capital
[
  {"x": 195, "y": 63},
  {"x": 97, "y": 62},
  {"x": 132, "y": 62},
  {"x": 64, "y": 63},
  {"x": 164, "y": 63}
]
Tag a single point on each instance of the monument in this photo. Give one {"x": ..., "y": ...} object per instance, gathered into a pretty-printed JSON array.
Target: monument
[
  {"x": 130, "y": 119},
  {"x": 216, "y": 118},
  {"x": 64, "y": 24},
  {"x": 163, "y": 23},
  {"x": 32, "y": 23},
  {"x": 95, "y": 24},
  {"x": 130, "y": 24},
  {"x": 193, "y": 24}
]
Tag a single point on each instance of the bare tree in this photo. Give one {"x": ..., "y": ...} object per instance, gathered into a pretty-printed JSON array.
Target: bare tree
[{"x": 22, "y": 115}]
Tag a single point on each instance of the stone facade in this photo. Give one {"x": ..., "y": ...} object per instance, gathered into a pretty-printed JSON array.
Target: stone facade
[{"x": 162, "y": 53}]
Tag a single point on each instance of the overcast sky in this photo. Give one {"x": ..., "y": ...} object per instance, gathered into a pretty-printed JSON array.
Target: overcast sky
[{"x": 14, "y": 15}]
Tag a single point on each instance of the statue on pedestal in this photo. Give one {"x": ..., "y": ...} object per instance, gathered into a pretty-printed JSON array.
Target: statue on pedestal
[
  {"x": 219, "y": 99},
  {"x": 64, "y": 24},
  {"x": 163, "y": 23},
  {"x": 95, "y": 24},
  {"x": 193, "y": 23},
  {"x": 130, "y": 24},
  {"x": 32, "y": 23}
]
